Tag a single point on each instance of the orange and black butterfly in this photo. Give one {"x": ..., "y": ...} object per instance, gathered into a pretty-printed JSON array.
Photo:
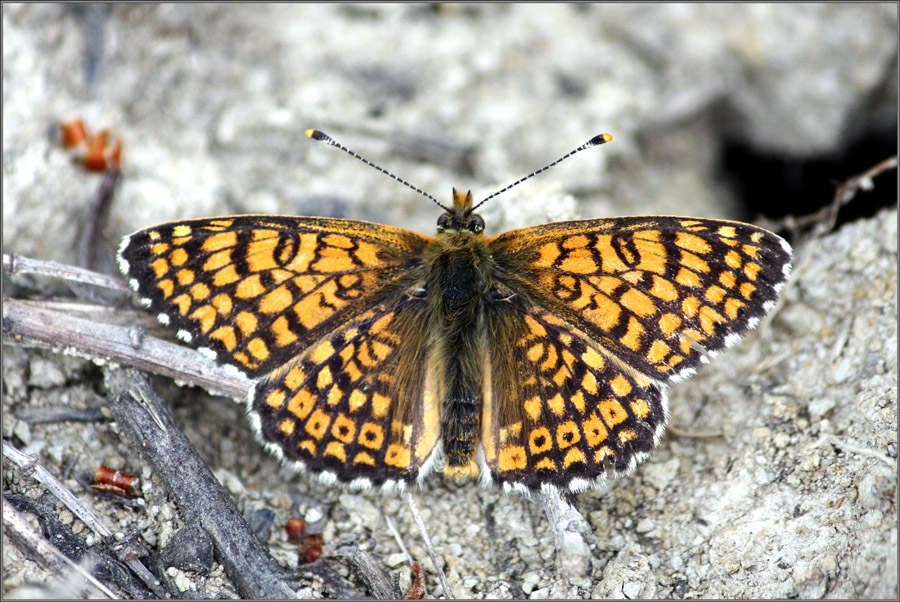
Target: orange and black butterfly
[{"x": 537, "y": 359}]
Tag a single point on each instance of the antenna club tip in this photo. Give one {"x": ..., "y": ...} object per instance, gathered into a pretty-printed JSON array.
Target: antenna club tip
[
  {"x": 600, "y": 139},
  {"x": 316, "y": 134}
]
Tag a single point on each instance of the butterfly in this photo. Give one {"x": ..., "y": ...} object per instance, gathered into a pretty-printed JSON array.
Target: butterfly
[{"x": 537, "y": 359}]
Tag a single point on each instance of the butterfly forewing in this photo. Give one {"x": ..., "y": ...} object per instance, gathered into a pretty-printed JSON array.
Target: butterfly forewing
[
  {"x": 258, "y": 290},
  {"x": 653, "y": 291}
]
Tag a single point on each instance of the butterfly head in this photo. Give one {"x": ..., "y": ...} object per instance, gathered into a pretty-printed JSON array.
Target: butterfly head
[{"x": 460, "y": 218}]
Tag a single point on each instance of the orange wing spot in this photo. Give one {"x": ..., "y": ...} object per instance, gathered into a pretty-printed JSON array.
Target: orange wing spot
[
  {"x": 606, "y": 284},
  {"x": 727, "y": 279},
  {"x": 310, "y": 311},
  {"x": 693, "y": 243},
  {"x": 217, "y": 260},
  {"x": 217, "y": 242},
  {"x": 732, "y": 306},
  {"x": 756, "y": 236},
  {"x": 607, "y": 314},
  {"x": 206, "y": 316},
  {"x": 166, "y": 286},
  {"x": 579, "y": 262},
  {"x": 593, "y": 359},
  {"x": 549, "y": 253},
  {"x": 275, "y": 399},
  {"x": 338, "y": 241},
  {"x": 159, "y": 248},
  {"x": 561, "y": 376},
  {"x": 219, "y": 224},
  {"x": 640, "y": 408},
  {"x": 343, "y": 429},
  {"x": 691, "y": 261},
  {"x": 185, "y": 277},
  {"x": 573, "y": 456},
  {"x": 589, "y": 383},
  {"x": 178, "y": 256},
  {"x": 160, "y": 267},
  {"x": 727, "y": 231},
  {"x": 284, "y": 336},
  {"x": 181, "y": 240},
  {"x": 687, "y": 278},
  {"x": 380, "y": 350},
  {"x": 258, "y": 349},
  {"x": 545, "y": 464},
  {"x": 153, "y": 235},
  {"x": 567, "y": 434},
  {"x": 381, "y": 323},
  {"x": 225, "y": 276},
  {"x": 653, "y": 253},
  {"x": 357, "y": 400},
  {"x": 594, "y": 430},
  {"x": 510, "y": 433},
  {"x": 751, "y": 250},
  {"x": 226, "y": 335},
  {"x": 371, "y": 435},
  {"x": 620, "y": 386},
  {"x": 352, "y": 371},
  {"x": 637, "y": 302},
  {"x": 331, "y": 261},
  {"x": 249, "y": 287},
  {"x": 747, "y": 290},
  {"x": 535, "y": 327},
  {"x": 322, "y": 352},
  {"x": 364, "y": 458},
  {"x": 246, "y": 322},
  {"x": 708, "y": 319},
  {"x": 715, "y": 294},
  {"x": 199, "y": 291},
  {"x": 533, "y": 408},
  {"x": 627, "y": 435},
  {"x": 260, "y": 254},
  {"x": 286, "y": 426},
  {"x": 612, "y": 411},
  {"x": 634, "y": 334},
  {"x": 222, "y": 303},
  {"x": 397, "y": 455},
  {"x": 557, "y": 404},
  {"x": 380, "y": 405},
  {"x": 512, "y": 458},
  {"x": 675, "y": 360},
  {"x": 692, "y": 335},
  {"x": 539, "y": 441},
  {"x": 690, "y": 306},
  {"x": 658, "y": 352},
  {"x": 244, "y": 359},
  {"x": 733, "y": 260},
  {"x": 183, "y": 302},
  {"x": 663, "y": 289},
  {"x": 552, "y": 359},
  {"x": 276, "y": 301},
  {"x": 575, "y": 242},
  {"x": 318, "y": 424},
  {"x": 295, "y": 378},
  {"x": 669, "y": 323},
  {"x": 309, "y": 445},
  {"x": 324, "y": 379},
  {"x": 335, "y": 395},
  {"x": 609, "y": 259},
  {"x": 181, "y": 230},
  {"x": 751, "y": 270},
  {"x": 337, "y": 450}
]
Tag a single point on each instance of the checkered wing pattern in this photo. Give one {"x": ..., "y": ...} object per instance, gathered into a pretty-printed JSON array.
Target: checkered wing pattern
[
  {"x": 255, "y": 291},
  {"x": 605, "y": 313}
]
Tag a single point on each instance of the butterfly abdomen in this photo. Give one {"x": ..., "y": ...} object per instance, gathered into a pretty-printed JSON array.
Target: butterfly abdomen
[{"x": 456, "y": 288}]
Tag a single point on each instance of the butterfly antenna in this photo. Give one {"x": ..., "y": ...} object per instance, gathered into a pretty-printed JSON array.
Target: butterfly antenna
[
  {"x": 322, "y": 136},
  {"x": 595, "y": 141}
]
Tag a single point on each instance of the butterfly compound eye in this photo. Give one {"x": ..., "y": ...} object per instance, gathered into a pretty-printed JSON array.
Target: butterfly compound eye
[
  {"x": 443, "y": 222},
  {"x": 476, "y": 224}
]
